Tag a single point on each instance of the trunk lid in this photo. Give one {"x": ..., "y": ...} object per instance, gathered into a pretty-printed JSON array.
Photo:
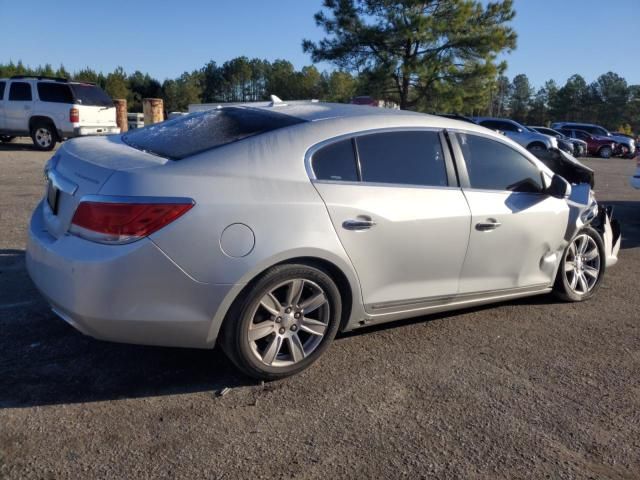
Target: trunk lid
[
  {"x": 81, "y": 167},
  {"x": 91, "y": 115}
]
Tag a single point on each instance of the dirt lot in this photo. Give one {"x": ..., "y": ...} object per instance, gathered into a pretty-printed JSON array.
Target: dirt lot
[{"x": 527, "y": 389}]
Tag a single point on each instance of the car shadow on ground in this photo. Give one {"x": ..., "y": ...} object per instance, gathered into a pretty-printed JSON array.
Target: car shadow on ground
[
  {"x": 44, "y": 361},
  {"x": 17, "y": 147}
]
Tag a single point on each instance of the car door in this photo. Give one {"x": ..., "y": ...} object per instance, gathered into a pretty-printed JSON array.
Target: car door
[
  {"x": 517, "y": 231},
  {"x": 2, "y": 114},
  {"x": 18, "y": 106},
  {"x": 398, "y": 212}
]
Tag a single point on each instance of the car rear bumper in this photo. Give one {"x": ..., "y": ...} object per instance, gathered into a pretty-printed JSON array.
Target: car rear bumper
[
  {"x": 90, "y": 130},
  {"x": 124, "y": 293}
]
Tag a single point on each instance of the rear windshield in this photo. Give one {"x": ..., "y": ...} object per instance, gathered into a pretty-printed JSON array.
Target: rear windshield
[
  {"x": 91, "y": 95},
  {"x": 195, "y": 133}
]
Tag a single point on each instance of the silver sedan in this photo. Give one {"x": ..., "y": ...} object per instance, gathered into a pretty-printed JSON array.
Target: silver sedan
[{"x": 268, "y": 228}]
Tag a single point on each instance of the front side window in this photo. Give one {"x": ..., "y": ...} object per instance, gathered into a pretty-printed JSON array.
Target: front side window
[
  {"x": 336, "y": 162},
  {"x": 20, "y": 92},
  {"x": 2, "y": 84},
  {"x": 492, "y": 165},
  {"x": 404, "y": 157},
  {"x": 54, "y": 92}
]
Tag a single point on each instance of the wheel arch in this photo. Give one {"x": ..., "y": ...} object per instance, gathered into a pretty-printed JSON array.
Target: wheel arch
[
  {"x": 347, "y": 284},
  {"x": 536, "y": 143},
  {"x": 41, "y": 118}
]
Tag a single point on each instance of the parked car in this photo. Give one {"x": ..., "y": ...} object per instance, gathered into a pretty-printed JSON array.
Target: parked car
[
  {"x": 563, "y": 145},
  {"x": 625, "y": 146},
  {"x": 269, "y": 229},
  {"x": 578, "y": 147},
  {"x": 531, "y": 140},
  {"x": 52, "y": 109},
  {"x": 601, "y": 147}
]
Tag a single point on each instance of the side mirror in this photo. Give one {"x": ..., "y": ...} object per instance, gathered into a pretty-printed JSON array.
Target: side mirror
[{"x": 559, "y": 187}]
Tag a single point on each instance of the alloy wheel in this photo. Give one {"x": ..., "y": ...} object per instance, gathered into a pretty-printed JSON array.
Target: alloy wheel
[
  {"x": 289, "y": 323},
  {"x": 43, "y": 137},
  {"x": 582, "y": 264}
]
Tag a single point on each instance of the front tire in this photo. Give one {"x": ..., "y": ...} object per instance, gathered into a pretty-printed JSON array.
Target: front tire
[
  {"x": 283, "y": 323},
  {"x": 44, "y": 136},
  {"x": 582, "y": 267}
]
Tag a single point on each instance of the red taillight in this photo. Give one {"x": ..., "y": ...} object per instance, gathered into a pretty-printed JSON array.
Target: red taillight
[
  {"x": 74, "y": 115},
  {"x": 108, "y": 222}
]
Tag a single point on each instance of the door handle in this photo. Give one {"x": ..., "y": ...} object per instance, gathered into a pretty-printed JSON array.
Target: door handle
[
  {"x": 361, "y": 223},
  {"x": 490, "y": 224}
]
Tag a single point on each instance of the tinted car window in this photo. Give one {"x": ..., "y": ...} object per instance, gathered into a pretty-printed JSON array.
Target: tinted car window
[
  {"x": 336, "y": 162},
  {"x": 20, "y": 91},
  {"x": 411, "y": 158},
  {"x": 1, "y": 90},
  {"x": 92, "y": 95},
  {"x": 195, "y": 133},
  {"x": 495, "y": 166},
  {"x": 54, "y": 92}
]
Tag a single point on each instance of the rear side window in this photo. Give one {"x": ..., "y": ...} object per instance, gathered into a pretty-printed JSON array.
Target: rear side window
[
  {"x": 492, "y": 165},
  {"x": 201, "y": 131},
  {"x": 54, "y": 92},
  {"x": 2, "y": 84},
  {"x": 408, "y": 158},
  {"x": 90, "y": 95},
  {"x": 20, "y": 92},
  {"x": 336, "y": 161}
]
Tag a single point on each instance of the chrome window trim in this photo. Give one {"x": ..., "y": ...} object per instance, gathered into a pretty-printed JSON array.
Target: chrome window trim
[{"x": 308, "y": 157}]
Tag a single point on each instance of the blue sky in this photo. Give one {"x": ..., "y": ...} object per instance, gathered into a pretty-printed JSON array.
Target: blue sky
[{"x": 556, "y": 38}]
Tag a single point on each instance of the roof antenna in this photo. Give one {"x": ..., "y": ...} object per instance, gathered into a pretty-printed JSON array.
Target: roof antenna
[{"x": 276, "y": 101}]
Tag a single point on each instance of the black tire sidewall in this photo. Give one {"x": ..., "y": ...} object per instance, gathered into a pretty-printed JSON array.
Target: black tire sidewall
[
  {"x": 51, "y": 129},
  {"x": 562, "y": 288},
  {"x": 234, "y": 331},
  {"x": 605, "y": 149}
]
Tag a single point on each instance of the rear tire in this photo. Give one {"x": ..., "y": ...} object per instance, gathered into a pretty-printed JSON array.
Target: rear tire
[
  {"x": 283, "y": 323},
  {"x": 44, "y": 135},
  {"x": 582, "y": 267},
  {"x": 605, "y": 152}
]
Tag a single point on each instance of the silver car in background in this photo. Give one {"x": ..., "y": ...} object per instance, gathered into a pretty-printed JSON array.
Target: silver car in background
[
  {"x": 268, "y": 228},
  {"x": 531, "y": 140}
]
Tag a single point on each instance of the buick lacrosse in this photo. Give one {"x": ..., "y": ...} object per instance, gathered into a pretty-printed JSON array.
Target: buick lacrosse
[{"x": 267, "y": 228}]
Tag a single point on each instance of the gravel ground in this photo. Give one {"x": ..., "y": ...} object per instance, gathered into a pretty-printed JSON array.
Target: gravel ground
[{"x": 526, "y": 389}]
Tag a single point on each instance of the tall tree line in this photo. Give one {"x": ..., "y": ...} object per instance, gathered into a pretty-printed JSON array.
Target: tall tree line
[
  {"x": 608, "y": 101},
  {"x": 238, "y": 80}
]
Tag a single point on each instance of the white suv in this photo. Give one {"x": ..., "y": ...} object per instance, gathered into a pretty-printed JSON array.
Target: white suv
[{"x": 53, "y": 109}]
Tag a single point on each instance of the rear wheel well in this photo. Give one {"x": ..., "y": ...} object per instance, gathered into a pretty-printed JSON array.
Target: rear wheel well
[
  {"x": 326, "y": 266},
  {"x": 536, "y": 144},
  {"x": 36, "y": 119}
]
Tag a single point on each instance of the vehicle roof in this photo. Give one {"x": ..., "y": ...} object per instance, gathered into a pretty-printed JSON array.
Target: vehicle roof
[
  {"x": 315, "y": 112},
  {"x": 64, "y": 81}
]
